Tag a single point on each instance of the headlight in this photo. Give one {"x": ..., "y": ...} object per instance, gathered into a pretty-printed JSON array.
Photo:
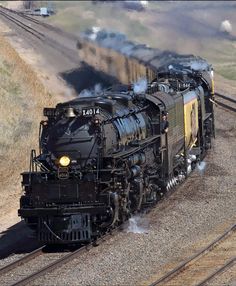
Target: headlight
[{"x": 64, "y": 161}]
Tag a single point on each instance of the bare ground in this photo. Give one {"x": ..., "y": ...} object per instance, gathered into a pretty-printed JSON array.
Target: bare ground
[{"x": 23, "y": 97}]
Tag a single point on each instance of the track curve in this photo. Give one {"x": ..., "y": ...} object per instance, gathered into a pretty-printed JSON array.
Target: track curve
[{"x": 205, "y": 265}]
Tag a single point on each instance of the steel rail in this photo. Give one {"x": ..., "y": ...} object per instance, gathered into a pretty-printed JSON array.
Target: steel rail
[
  {"x": 21, "y": 261},
  {"x": 48, "y": 26},
  {"x": 18, "y": 21},
  {"x": 67, "y": 52},
  {"x": 40, "y": 23},
  {"x": 23, "y": 26},
  {"x": 23, "y": 15},
  {"x": 225, "y": 97},
  {"x": 217, "y": 272},
  {"x": 67, "y": 258},
  {"x": 207, "y": 249},
  {"x": 51, "y": 266},
  {"x": 224, "y": 105}
]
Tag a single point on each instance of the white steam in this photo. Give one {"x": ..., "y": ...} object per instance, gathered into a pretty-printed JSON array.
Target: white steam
[
  {"x": 199, "y": 65},
  {"x": 140, "y": 86},
  {"x": 103, "y": 36},
  {"x": 201, "y": 167},
  {"x": 134, "y": 225},
  {"x": 69, "y": 93},
  {"x": 144, "y": 3},
  {"x": 226, "y": 26},
  {"x": 94, "y": 33},
  {"x": 91, "y": 92}
]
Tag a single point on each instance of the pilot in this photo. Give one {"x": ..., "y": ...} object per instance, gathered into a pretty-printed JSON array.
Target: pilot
[{"x": 164, "y": 122}]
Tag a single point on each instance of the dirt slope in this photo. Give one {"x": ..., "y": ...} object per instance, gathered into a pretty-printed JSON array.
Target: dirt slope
[{"x": 22, "y": 98}]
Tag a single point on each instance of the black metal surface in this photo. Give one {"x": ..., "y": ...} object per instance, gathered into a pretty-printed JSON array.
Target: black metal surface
[
  {"x": 57, "y": 211},
  {"x": 74, "y": 228}
]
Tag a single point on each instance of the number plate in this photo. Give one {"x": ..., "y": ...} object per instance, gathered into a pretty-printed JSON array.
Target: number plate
[{"x": 90, "y": 111}]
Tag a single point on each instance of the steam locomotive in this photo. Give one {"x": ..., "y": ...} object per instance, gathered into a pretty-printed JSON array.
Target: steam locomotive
[{"x": 107, "y": 156}]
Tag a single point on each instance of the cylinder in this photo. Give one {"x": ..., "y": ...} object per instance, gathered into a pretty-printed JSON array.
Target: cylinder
[{"x": 135, "y": 170}]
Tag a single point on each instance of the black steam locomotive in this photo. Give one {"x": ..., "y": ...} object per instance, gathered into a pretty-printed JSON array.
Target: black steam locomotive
[{"x": 105, "y": 157}]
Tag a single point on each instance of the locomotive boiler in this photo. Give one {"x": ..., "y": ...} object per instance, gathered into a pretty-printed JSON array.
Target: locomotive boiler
[{"x": 107, "y": 156}]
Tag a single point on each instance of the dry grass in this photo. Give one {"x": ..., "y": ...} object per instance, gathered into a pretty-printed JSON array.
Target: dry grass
[{"x": 22, "y": 98}]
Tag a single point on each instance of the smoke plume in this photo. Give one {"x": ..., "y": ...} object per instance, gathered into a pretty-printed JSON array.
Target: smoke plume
[
  {"x": 226, "y": 26},
  {"x": 201, "y": 166},
  {"x": 91, "y": 92},
  {"x": 140, "y": 86}
]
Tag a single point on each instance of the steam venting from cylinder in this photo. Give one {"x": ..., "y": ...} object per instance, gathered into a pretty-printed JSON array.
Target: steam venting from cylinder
[
  {"x": 201, "y": 166},
  {"x": 134, "y": 225}
]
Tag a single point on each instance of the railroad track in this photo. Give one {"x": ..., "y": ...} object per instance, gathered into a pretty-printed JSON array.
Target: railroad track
[
  {"x": 205, "y": 265},
  {"x": 46, "y": 34},
  {"x": 16, "y": 273},
  {"x": 25, "y": 27},
  {"x": 39, "y": 23},
  {"x": 21, "y": 261},
  {"x": 226, "y": 102}
]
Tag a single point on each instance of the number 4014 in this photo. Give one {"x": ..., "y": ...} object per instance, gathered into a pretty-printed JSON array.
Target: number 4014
[{"x": 90, "y": 111}]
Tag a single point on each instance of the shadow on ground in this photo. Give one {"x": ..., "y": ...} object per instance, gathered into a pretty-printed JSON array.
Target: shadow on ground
[
  {"x": 86, "y": 77},
  {"x": 17, "y": 239}
]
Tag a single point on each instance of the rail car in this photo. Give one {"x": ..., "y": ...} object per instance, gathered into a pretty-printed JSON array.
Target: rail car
[
  {"x": 105, "y": 157},
  {"x": 113, "y": 54}
]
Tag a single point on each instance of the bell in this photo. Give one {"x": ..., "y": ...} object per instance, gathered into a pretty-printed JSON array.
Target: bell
[{"x": 70, "y": 112}]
